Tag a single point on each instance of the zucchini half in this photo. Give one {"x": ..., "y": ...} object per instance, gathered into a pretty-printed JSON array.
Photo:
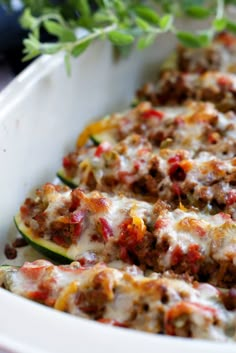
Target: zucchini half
[
  {"x": 46, "y": 247},
  {"x": 65, "y": 180}
]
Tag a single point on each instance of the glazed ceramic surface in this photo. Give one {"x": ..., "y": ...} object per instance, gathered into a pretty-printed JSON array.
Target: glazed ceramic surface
[{"x": 41, "y": 114}]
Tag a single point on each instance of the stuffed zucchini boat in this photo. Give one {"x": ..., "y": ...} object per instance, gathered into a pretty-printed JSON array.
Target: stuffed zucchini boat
[
  {"x": 165, "y": 304},
  {"x": 98, "y": 227}
]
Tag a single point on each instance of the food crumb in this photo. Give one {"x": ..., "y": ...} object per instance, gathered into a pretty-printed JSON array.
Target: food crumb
[
  {"x": 19, "y": 243},
  {"x": 10, "y": 252}
]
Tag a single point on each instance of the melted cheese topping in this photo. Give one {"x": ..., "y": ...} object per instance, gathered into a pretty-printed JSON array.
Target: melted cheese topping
[
  {"x": 187, "y": 240},
  {"x": 154, "y": 304}
]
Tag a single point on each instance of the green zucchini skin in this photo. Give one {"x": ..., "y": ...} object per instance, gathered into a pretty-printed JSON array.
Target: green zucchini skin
[
  {"x": 65, "y": 180},
  {"x": 46, "y": 247},
  {"x": 95, "y": 140}
]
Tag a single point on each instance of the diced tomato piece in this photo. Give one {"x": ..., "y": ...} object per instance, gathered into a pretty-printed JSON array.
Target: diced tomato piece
[
  {"x": 67, "y": 163},
  {"x": 106, "y": 229},
  {"x": 112, "y": 322},
  {"x": 176, "y": 172},
  {"x": 152, "y": 113},
  {"x": 224, "y": 81},
  {"x": 103, "y": 147},
  {"x": 175, "y": 159},
  {"x": 231, "y": 197},
  {"x": 193, "y": 253},
  {"x": 161, "y": 223},
  {"x": 177, "y": 255},
  {"x": 38, "y": 295}
]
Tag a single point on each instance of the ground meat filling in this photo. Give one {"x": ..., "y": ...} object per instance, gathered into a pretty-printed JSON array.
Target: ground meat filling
[
  {"x": 176, "y": 87},
  {"x": 134, "y": 168},
  {"x": 151, "y": 236},
  {"x": 166, "y": 304}
]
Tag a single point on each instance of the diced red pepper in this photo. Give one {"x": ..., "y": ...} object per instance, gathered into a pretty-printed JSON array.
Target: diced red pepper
[
  {"x": 177, "y": 255},
  {"x": 193, "y": 253},
  {"x": 231, "y": 198},
  {"x": 106, "y": 229},
  {"x": 103, "y": 147},
  {"x": 152, "y": 113}
]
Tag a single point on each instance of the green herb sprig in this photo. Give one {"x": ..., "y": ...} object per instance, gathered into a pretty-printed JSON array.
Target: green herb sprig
[{"x": 77, "y": 23}]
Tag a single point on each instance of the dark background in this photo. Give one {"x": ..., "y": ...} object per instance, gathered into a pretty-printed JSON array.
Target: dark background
[{"x": 11, "y": 36}]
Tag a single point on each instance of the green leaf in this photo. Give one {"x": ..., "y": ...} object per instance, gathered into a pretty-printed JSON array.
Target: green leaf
[
  {"x": 28, "y": 21},
  {"x": 193, "y": 40},
  {"x": 80, "y": 48},
  {"x": 120, "y": 38},
  {"x": 104, "y": 17},
  {"x": 146, "y": 41},
  {"x": 220, "y": 24},
  {"x": 67, "y": 63},
  {"x": 147, "y": 14},
  {"x": 231, "y": 26},
  {"x": 198, "y": 11},
  {"x": 50, "y": 48},
  {"x": 166, "y": 22},
  {"x": 142, "y": 24},
  {"x": 63, "y": 33},
  {"x": 84, "y": 8}
]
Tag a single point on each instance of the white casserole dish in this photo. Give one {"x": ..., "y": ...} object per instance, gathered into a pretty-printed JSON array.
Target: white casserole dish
[{"x": 41, "y": 113}]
